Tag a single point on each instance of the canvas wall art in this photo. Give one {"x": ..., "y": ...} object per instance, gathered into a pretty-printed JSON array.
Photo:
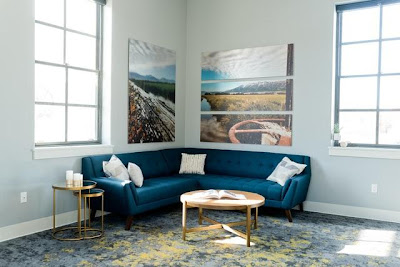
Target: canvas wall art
[
  {"x": 258, "y": 62},
  {"x": 152, "y": 71},
  {"x": 269, "y": 95},
  {"x": 247, "y": 129},
  {"x": 247, "y": 96}
]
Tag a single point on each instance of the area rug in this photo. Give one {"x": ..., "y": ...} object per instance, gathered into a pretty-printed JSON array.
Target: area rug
[{"x": 155, "y": 239}]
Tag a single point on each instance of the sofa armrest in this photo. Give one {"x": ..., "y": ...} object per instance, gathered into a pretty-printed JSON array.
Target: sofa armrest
[
  {"x": 297, "y": 191},
  {"x": 118, "y": 195}
]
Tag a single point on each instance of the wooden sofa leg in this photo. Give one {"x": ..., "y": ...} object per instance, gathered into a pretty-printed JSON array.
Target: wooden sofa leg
[
  {"x": 92, "y": 214},
  {"x": 289, "y": 215},
  {"x": 301, "y": 207},
  {"x": 128, "y": 224}
]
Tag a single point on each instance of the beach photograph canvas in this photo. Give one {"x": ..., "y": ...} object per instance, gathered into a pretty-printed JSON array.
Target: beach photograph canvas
[
  {"x": 258, "y": 62},
  {"x": 151, "y": 83},
  {"x": 270, "y": 95},
  {"x": 247, "y": 129}
]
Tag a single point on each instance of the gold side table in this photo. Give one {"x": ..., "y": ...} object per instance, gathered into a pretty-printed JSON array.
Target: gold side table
[
  {"x": 87, "y": 195},
  {"x": 62, "y": 186}
]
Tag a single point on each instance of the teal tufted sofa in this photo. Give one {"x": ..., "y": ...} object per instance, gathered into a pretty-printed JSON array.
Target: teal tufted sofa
[{"x": 225, "y": 169}]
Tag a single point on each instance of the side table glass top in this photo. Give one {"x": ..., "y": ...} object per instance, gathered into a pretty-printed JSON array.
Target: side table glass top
[{"x": 87, "y": 184}]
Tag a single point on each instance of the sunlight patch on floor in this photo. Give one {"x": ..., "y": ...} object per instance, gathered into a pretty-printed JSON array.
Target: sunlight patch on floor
[
  {"x": 371, "y": 243},
  {"x": 233, "y": 241}
]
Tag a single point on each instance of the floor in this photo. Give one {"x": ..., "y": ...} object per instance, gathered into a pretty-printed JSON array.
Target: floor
[{"x": 155, "y": 239}]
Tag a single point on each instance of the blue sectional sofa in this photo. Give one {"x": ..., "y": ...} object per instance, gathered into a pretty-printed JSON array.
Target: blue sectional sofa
[{"x": 225, "y": 169}]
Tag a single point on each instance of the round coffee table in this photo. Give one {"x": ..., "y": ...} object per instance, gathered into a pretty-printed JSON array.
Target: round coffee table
[{"x": 252, "y": 201}]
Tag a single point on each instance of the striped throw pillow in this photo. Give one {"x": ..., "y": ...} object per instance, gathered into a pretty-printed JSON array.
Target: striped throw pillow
[{"x": 192, "y": 163}]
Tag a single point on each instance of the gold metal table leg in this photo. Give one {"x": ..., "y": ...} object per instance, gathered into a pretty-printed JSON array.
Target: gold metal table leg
[
  {"x": 102, "y": 214},
  {"x": 84, "y": 216},
  {"x": 256, "y": 218},
  {"x": 184, "y": 220},
  {"x": 248, "y": 225},
  {"x": 79, "y": 213},
  {"x": 54, "y": 210},
  {"x": 90, "y": 212}
]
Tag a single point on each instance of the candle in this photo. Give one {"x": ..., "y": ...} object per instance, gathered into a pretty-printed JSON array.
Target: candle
[
  {"x": 81, "y": 179},
  {"x": 77, "y": 178},
  {"x": 69, "y": 176}
]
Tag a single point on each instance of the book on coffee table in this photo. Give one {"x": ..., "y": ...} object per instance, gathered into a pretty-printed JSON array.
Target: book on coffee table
[{"x": 215, "y": 194}]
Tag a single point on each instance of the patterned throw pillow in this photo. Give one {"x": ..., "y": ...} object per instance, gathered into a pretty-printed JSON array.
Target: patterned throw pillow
[
  {"x": 285, "y": 170},
  {"x": 193, "y": 164},
  {"x": 115, "y": 168}
]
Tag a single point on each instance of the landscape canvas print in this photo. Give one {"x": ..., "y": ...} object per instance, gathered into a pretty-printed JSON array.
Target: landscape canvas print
[
  {"x": 152, "y": 71},
  {"x": 247, "y": 96},
  {"x": 247, "y": 129},
  {"x": 258, "y": 62},
  {"x": 271, "y": 95}
]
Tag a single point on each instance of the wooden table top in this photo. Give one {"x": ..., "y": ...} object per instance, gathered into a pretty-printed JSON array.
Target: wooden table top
[{"x": 252, "y": 199}]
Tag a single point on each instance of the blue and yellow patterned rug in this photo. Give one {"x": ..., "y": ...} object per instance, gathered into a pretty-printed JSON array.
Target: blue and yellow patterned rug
[{"x": 155, "y": 239}]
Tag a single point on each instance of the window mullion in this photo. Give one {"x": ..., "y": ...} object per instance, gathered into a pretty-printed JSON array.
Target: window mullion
[
  {"x": 379, "y": 75},
  {"x": 99, "y": 66},
  {"x": 338, "y": 66},
  {"x": 66, "y": 72}
]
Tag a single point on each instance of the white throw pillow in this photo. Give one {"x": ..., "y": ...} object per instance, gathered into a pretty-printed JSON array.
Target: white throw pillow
[
  {"x": 106, "y": 172},
  {"x": 193, "y": 164},
  {"x": 115, "y": 168},
  {"x": 285, "y": 170},
  {"x": 135, "y": 173}
]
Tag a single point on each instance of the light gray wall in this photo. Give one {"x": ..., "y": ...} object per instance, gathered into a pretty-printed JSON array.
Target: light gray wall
[
  {"x": 165, "y": 26},
  {"x": 309, "y": 24},
  {"x": 211, "y": 26},
  {"x": 158, "y": 22}
]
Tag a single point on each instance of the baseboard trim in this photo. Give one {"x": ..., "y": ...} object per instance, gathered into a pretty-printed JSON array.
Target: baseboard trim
[
  {"x": 38, "y": 225},
  {"x": 353, "y": 211}
]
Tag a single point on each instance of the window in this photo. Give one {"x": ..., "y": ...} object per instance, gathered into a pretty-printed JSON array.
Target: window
[
  {"x": 367, "y": 102},
  {"x": 68, "y": 41}
]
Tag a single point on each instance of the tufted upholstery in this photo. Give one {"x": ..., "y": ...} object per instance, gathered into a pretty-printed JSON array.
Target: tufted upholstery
[
  {"x": 231, "y": 162},
  {"x": 268, "y": 189},
  {"x": 159, "y": 188},
  {"x": 225, "y": 169}
]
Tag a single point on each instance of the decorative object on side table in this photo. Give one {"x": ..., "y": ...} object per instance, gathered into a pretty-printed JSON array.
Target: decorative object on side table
[
  {"x": 79, "y": 191},
  {"x": 69, "y": 177}
]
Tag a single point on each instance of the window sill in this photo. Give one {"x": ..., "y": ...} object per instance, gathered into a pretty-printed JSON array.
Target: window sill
[
  {"x": 70, "y": 151},
  {"x": 365, "y": 152}
]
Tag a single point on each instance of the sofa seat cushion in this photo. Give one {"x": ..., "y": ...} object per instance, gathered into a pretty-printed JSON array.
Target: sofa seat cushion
[
  {"x": 268, "y": 189},
  {"x": 159, "y": 188}
]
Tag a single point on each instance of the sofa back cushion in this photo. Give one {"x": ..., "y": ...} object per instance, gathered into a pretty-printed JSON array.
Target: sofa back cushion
[
  {"x": 234, "y": 162},
  {"x": 151, "y": 163}
]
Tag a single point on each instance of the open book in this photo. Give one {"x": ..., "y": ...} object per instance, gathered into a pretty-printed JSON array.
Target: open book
[{"x": 215, "y": 194}]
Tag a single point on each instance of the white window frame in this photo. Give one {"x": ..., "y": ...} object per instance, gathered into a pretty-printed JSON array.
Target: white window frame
[
  {"x": 338, "y": 76},
  {"x": 98, "y": 69}
]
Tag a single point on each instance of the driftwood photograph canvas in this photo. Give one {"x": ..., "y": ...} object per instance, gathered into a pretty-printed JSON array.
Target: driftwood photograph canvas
[
  {"x": 247, "y": 129},
  {"x": 152, "y": 71}
]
